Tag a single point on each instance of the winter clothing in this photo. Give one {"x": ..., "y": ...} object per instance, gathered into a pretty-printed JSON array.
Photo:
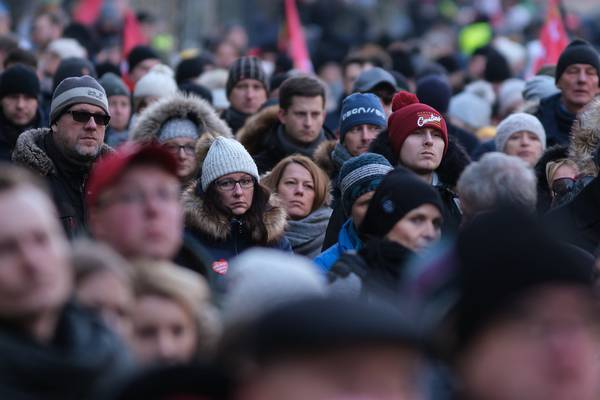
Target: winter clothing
[
  {"x": 306, "y": 235},
  {"x": 544, "y": 197},
  {"x": 329, "y": 156},
  {"x": 585, "y": 139},
  {"x": 409, "y": 115},
  {"x": 246, "y": 68},
  {"x": 470, "y": 109},
  {"x": 113, "y": 85},
  {"x": 158, "y": 82},
  {"x": 519, "y": 122},
  {"x": 226, "y": 156},
  {"x": 234, "y": 118},
  {"x": 372, "y": 77},
  {"x": 359, "y": 109},
  {"x": 539, "y": 87},
  {"x": 77, "y": 90},
  {"x": 577, "y": 52},
  {"x": 36, "y": 150},
  {"x": 9, "y": 133},
  {"x": 139, "y": 54},
  {"x": 497, "y": 69},
  {"x": 348, "y": 239},
  {"x": 510, "y": 95},
  {"x": 66, "y": 47},
  {"x": 265, "y": 139},
  {"x": 83, "y": 360},
  {"x": 19, "y": 79},
  {"x": 177, "y": 128},
  {"x": 435, "y": 91},
  {"x": 73, "y": 67},
  {"x": 556, "y": 119},
  {"x": 463, "y": 138}
]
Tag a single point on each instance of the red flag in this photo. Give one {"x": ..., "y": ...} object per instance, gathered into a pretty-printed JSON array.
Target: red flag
[
  {"x": 87, "y": 11},
  {"x": 132, "y": 32},
  {"x": 296, "y": 41},
  {"x": 553, "y": 37}
]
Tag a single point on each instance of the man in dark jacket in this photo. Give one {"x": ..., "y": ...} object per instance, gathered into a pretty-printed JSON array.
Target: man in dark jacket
[
  {"x": 20, "y": 111},
  {"x": 577, "y": 77},
  {"x": 64, "y": 154},
  {"x": 296, "y": 126},
  {"x": 49, "y": 347},
  {"x": 247, "y": 89}
]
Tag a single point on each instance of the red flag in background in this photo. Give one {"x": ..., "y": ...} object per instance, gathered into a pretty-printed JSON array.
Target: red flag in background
[
  {"x": 296, "y": 43},
  {"x": 87, "y": 11},
  {"x": 553, "y": 37},
  {"x": 132, "y": 32}
]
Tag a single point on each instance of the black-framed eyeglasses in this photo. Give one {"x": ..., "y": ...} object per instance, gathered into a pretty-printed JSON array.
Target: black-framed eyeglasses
[
  {"x": 562, "y": 186},
  {"x": 84, "y": 117},
  {"x": 226, "y": 185},
  {"x": 176, "y": 148}
]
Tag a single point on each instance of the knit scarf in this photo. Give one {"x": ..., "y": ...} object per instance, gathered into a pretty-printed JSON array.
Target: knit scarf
[
  {"x": 289, "y": 147},
  {"x": 306, "y": 235},
  {"x": 234, "y": 119},
  {"x": 340, "y": 154}
]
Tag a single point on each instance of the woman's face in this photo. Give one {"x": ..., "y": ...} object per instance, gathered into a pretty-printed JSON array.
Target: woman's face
[
  {"x": 418, "y": 228},
  {"x": 525, "y": 145},
  {"x": 164, "y": 332},
  {"x": 236, "y": 192},
  {"x": 297, "y": 190}
]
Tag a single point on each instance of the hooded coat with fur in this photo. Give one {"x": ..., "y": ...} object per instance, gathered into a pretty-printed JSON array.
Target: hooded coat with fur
[
  {"x": 35, "y": 150},
  {"x": 585, "y": 138}
]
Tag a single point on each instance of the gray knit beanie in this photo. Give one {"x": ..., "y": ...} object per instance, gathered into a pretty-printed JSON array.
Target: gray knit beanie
[
  {"x": 177, "y": 128},
  {"x": 246, "y": 68},
  {"x": 226, "y": 156},
  {"x": 113, "y": 85},
  {"x": 516, "y": 123},
  {"x": 77, "y": 90}
]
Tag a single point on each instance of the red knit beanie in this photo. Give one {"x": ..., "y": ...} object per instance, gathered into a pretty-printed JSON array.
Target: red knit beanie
[{"x": 408, "y": 115}]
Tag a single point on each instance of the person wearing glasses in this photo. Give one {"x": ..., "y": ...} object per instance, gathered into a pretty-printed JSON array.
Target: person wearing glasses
[
  {"x": 227, "y": 209},
  {"x": 66, "y": 152},
  {"x": 177, "y": 122}
]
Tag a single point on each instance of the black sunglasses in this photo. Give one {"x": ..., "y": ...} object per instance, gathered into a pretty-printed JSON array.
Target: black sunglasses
[
  {"x": 84, "y": 117},
  {"x": 562, "y": 186}
]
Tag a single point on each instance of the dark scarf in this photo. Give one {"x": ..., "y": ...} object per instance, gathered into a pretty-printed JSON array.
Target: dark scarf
[
  {"x": 386, "y": 261},
  {"x": 234, "y": 119},
  {"x": 83, "y": 356},
  {"x": 288, "y": 147},
  {"x": 557, "y": 120},
  {"x": 9, "y": 132}
]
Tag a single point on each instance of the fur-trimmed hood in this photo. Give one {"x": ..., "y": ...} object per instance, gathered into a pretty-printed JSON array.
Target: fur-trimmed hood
[
  {"x": 217, "y": 226},
  {"x": 585, "y": 138},
  {"x": 322, "y": 157},
  {"x": 257, "y": 127},
  {"x": 29, "y": 151},
  {"x": 178, "y": 105}
]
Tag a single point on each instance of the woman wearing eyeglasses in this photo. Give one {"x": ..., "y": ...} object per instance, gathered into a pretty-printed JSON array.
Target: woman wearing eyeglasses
[
  {"x": 177, "y": 122},
  {"x": 227, "y": 209}
]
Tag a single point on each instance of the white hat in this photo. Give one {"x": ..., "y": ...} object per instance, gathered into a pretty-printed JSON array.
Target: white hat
[
  {"x": 519, "y": 122},
  {"x": 226, "y": 156},
  {"x": 158, "y": 82},
  {"x": 66, "y": 48}
]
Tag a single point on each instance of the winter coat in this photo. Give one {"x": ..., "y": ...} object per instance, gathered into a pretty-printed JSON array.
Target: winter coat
[
  {"x": 347, "y": 240},
  {"x": 198, "y": 110},
  {"x": 544, "y": 195},
  {"x": 83, "y": 360},
  {"x": 306, "y": 235},
  {"x": 375, "y": 271},
  {"x": 234, "y": 119},
  {"x": 260, "y": 135},
  {"x": 556, "y": 120},
  {"x": 36, "y": 150},
  {"x": 466, "y": 139},
  {"x": 10, "y": 132}
]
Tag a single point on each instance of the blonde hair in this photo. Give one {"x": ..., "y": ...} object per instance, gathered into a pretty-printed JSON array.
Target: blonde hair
[
  {"x": 553, "y": 166},
  {"x": 185, "y": 287},
  {"x": 320, "y": 179}
]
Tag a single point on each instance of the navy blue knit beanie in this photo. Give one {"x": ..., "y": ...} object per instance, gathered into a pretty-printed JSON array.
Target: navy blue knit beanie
[
  {"x": 435, "y": 91},
  {"x": 359, "y": 109}
]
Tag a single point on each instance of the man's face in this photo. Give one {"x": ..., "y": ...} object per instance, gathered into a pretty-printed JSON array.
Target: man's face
[
  {"x": 20, "y": 109},
  {"x": 120, "y": 112},
  {"x": 184, "y": 150},
  {"x": 304, "y": 118},
  {"x": 81, "y": 140},
  {"x": 358, "y": 138},
  {"x": 360, "y": 207},
  {"x": 35, "y": 274},
  {"x": 140, "y": 216},
  {"x": 578, "y": 85},
  {"x": 247, "y": 96},
  {"x": 142, "y": 68},
  {"x": 422, "y": 150},
  {"x": 547, "y": 349}
]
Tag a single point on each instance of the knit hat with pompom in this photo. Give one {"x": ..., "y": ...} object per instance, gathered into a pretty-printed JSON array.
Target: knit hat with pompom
[{"x": 408, "y": 115}]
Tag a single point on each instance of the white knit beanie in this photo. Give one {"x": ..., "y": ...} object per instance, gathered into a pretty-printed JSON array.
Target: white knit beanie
[
  {"x": 516, "y": 123},
  {"x": 158, "y": 82},
  {"x": 226, "y": 156}
]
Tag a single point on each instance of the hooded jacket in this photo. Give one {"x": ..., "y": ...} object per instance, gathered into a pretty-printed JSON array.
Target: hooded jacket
[
  {"x": 259, "y": 136},
  {"x": 347, "y": 240},
  {"x": 35, "y": 150}
]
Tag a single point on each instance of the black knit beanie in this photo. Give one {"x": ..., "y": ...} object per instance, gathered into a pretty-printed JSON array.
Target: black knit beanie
[
  {"x": 246, "y": 68},
  {"x": 577, "y": 52},
  {"x": 19, "y": 79},
  {"x": 400, "y": 192},
  {"x": 140, "y": 53}
]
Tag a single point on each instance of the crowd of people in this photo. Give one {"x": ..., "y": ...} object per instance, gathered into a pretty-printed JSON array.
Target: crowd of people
[{"x": 205, "y": 231}]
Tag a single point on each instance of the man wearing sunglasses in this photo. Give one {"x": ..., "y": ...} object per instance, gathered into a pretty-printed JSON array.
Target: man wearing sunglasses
[{"x": 65, "y": 152}]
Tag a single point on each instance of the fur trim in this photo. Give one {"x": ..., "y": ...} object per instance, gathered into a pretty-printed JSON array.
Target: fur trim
[
  {"x": 252, "y": 135},
  {"x": 179, "y": 105},
  {"x": 585, "y": 137},
  {"x": 322, "y": 156},
  {"x": 217, "y": 225},
  {"x": 29, "y": 152}
]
